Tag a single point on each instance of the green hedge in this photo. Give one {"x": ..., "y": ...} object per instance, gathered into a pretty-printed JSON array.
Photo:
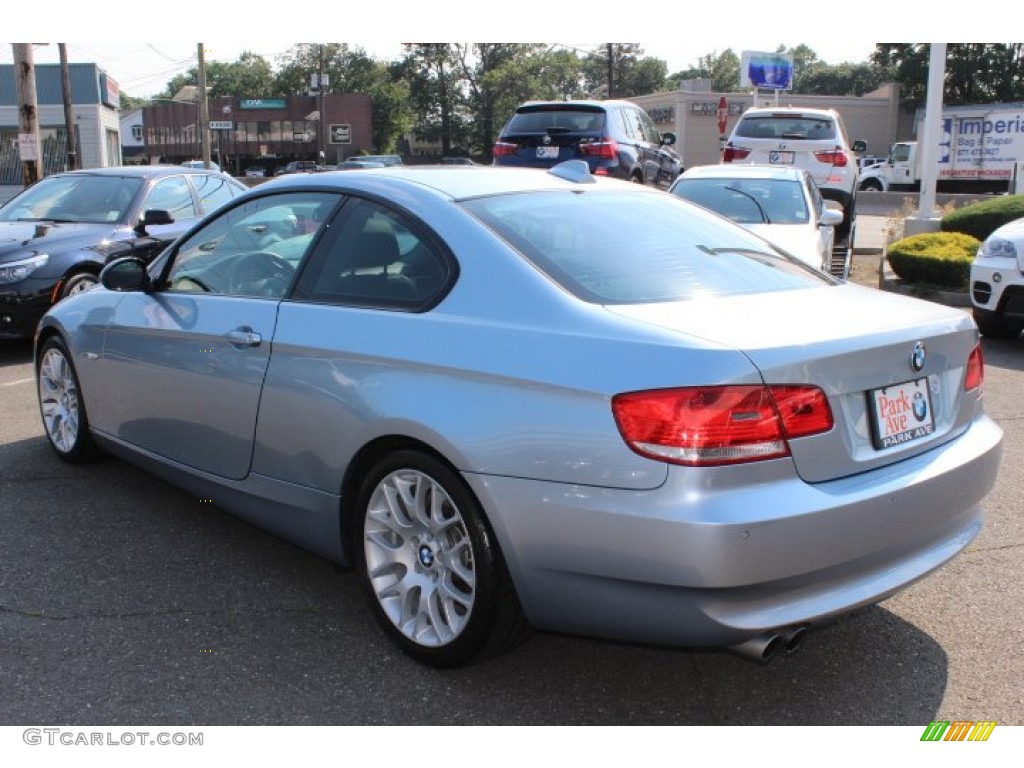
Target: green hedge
[
  {"x": 982, "y": 218},
  {"x": 942, "y": 259}
]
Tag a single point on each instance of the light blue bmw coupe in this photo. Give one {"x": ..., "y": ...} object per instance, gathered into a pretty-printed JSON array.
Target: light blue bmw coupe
[{"x": 515, "y": 398}]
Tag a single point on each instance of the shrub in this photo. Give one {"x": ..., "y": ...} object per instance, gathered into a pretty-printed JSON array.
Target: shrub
[
  {"x": 981, "y": 219},
  {"x": 941, "y": 259}
]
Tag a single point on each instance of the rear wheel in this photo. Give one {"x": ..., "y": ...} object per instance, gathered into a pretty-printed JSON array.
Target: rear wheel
[
  {"x": 995, "y": 326},
  {"x": 432, "y": 569},
  {"x": 61, "y": 405},
  {"x": 871, "y": 185}
]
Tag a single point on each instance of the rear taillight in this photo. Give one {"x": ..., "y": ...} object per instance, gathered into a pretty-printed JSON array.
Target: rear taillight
[
  {"x": 504, "y": 149},
  {"x": 834, "y": 157},
  {"x": 975, "y": 370},
  {"x": 708, "y": 426},
  {"x": 604, "y": 148},
  {"x": 734, "y": 153}
]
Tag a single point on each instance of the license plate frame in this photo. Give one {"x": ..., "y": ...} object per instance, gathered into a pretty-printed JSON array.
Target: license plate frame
[
  {"x": 547, "y": 153},
  {"x": 900, "y": 413},
  {"x": 781, "y": 157}
]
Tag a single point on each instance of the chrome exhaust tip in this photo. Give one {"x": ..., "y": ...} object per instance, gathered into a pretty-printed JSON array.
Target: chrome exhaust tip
[{"x": 760, "y": 647}]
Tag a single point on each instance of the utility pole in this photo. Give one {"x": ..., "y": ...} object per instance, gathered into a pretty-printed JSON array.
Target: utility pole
[
  {"x": 28, "y": 113},
  {"x": 322, "y": 125},
  {"x": 611, "y": 68},
  {"x": 204, "y": 109},
  {"x": 69, "y": 121}
]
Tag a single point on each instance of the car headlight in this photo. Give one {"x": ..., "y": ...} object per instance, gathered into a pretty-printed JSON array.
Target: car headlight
[
  {"x": 998, "y": 248},
  {"x": 15, "y": 271}
]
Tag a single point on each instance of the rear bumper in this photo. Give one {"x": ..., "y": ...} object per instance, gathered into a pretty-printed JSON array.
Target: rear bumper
[{"x": 704, "y": 561}]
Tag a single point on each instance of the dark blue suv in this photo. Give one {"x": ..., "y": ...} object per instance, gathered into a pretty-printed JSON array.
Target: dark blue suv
[{"x": 615, "y": 138}]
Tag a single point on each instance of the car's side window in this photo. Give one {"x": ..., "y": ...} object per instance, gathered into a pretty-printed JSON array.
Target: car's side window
[
  {"x": 172, "y": 195},
  {"x": 375, "y": 257},
  {"x": 255, "y": 249},
  {"x": 213, "y": 191}
]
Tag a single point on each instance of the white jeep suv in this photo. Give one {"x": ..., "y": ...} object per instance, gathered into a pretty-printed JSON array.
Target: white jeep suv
[
  {"x": 812, "y": 139},
  {"x": 997, "y": 282}
]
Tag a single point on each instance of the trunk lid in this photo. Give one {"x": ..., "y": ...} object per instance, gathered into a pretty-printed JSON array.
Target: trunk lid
[{"x": 858, "y": 345}]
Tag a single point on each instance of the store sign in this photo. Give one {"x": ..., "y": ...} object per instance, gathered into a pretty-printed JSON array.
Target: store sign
[
  {"x": 110, "y": 91},
  {"x": 341, "y": 134},
  {"x": 263, "y": 103},
  {"x": 766, "y": 70},
  {"x": 711, "y": 107},
  {"x": 662, "y": 114}
]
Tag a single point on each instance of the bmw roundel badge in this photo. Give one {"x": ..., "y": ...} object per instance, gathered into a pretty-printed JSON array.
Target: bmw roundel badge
[{"x": 917, "y": 357}]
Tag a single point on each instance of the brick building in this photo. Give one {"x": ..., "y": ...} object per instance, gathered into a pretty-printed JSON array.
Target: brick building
[{"x": 260, "y": 132}]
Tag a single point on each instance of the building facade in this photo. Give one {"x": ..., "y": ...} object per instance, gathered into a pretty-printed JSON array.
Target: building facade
[
  {"x": 95, "y": 99},
  {"x": 692, "y": 114},
  {"x": 260, "y": 132}
]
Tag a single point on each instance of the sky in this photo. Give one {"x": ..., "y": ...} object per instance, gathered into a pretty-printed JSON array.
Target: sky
[{"x": 143, "y": 68}]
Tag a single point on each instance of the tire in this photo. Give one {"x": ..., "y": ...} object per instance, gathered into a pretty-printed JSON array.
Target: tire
[
  {"x": 871, "y": 185},
  {"x": 431, "y": 566},
  {"x": 995, "y": 326},
  {"x": 79, "y": 283},
  {"x": 61, "y": 405}
]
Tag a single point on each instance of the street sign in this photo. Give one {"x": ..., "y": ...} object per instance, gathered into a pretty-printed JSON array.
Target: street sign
[
  {"x": 221, "y": 125},
  {"x": 341, "y": 134},
  {"x": 723, "y": 115}
]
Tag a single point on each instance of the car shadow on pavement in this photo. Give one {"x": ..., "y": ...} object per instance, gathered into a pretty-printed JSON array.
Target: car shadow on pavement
[{"x": 124, "y": 600}]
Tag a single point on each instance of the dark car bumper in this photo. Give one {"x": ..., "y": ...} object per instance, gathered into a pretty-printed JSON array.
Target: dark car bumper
[{"x": 22, "y": 305}]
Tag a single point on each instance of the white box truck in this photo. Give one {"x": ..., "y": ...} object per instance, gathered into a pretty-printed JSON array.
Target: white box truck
[{"x": 979, "y": 150}]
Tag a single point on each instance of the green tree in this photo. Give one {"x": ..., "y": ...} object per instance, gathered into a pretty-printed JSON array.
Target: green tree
[
  {"x": 633, "y": 74},
  {"x": 976, "y": 73},
  {"x": 437, "y": 93},
  {"x": 250, "y": 76},
  {"x": 722, "y": 69}
]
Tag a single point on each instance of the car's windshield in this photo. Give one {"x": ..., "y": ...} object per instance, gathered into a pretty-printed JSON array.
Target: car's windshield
[
  {"x": 622, "y": 248},
  {"x": 748, "y": 201},
  {"x": 75, "y": 198}
]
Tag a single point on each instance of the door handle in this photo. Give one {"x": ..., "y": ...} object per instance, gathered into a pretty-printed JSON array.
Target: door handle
[{"x": 243, "y": 337}]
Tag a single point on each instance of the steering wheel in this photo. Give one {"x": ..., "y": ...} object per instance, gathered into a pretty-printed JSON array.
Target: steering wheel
[{"x": 260, "y": 273}]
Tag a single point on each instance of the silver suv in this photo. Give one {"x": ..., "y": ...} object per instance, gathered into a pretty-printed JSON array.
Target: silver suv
[{"x": 812, "y": 139}]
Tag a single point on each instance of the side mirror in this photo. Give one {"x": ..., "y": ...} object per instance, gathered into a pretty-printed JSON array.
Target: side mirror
[
  {"x": 860, "y": 146},
  {"x": 127, "y": 274},
  {"x": 831, "y": 217},
  {"x": 668, "y": 139},
  {"x": 152, "y": 217}
]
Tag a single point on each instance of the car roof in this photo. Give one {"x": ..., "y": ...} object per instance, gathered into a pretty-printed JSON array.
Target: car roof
[
  {"x": 453, "y": 181},
  {"x": 733, "y": 171},
  {"x": 593, "y": 103},
  {"x": 140, "y": 171},
  {"x": 790, "y": 111}
]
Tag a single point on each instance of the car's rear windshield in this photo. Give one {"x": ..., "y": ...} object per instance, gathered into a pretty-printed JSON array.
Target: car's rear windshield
[
  {"x": 554, "y": 120},
  {"x": 618, "y": 247},
  {"x": 781, "y": 126},
  {"x": 748, "y": 200}
]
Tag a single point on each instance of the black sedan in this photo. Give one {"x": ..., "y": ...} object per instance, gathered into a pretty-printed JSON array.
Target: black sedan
[{"x": 56, "y": 236}]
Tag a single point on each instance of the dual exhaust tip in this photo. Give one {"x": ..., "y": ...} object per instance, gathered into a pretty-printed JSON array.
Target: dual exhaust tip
[{"x": 768, "y": 645}]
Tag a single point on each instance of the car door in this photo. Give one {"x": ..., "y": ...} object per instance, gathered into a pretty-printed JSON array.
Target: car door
[{"x": 196, "y": 348}]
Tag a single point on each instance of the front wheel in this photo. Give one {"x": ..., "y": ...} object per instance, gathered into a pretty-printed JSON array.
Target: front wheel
[
  {"x": 80, "y": 283},
  {"x": 871, "y": 185},
  {"x": 61, "y": 405},
  {"x": 432, "y": 569}
]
